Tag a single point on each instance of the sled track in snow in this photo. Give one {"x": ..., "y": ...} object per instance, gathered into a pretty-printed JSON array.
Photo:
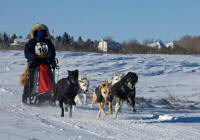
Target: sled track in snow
[
  {"x": 159, "y": 75},
  {"x": 107, "y": 128}
]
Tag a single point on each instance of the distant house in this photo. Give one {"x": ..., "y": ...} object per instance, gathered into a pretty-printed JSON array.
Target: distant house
[
  {"x": 160, "y": 45},
  {"x": 19, "y": 42},
  {"x": 108, "y": 45},
  {"x": 157, "y": 45},
  {"x": 171, "y": 45}
]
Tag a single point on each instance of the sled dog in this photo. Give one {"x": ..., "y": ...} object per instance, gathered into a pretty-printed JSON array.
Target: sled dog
[
  {"x": 84, "y": 83},
  {"x": 101, "y": 94},
  {"x": 124, "y": 90},
  {"x": 66, "y": 90}
]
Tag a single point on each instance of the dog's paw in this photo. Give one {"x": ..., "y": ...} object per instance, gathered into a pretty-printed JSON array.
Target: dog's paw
[
  {"x": 70, "y": 115},
  {"x": 53, "y": 103},
  {"x": 73, "y": 103},
  {"x": 105, "y": 113},
  {"x": 134, "y": 110},
  {"x": 108, "y": 112},
  {"x": 66, "y": 109},
  {"x": 129, "y": 104}
]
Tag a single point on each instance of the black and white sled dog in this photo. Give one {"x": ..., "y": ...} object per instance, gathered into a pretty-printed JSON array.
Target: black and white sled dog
[
  {"x": 84, "y": 83},
  {"x": 116, "y": 78},
  {"x": 124, "y": 90},
  {"x": 66, "y": 90}
]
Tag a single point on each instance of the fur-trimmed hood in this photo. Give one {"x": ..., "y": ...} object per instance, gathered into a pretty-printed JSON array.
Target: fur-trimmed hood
[{"x": 37, "y": 27}]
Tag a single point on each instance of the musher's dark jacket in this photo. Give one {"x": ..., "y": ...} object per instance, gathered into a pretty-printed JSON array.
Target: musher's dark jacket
[{"x": 30, "y": 54}]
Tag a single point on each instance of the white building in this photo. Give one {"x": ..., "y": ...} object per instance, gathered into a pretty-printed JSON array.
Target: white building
[
  {"x": 157, "y": 45},
  {"x": 160, "y": 45},
  {"x": 108, "y": 45},
  {"x": 19, "y": 42},
  {"x": 170, "y": 45}
]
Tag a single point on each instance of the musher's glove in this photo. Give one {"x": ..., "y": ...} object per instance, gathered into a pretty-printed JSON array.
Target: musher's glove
[{"x": 53, "y": 63}]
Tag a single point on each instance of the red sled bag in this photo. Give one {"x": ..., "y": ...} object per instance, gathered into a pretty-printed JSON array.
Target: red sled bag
[{"x": 45, "y": 81}]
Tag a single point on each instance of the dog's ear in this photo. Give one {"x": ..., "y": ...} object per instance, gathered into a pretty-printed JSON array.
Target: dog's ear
[
  {"x": 80, "y": 77},
  {"x": 101, "y": 85},
  {"x": 114, "y": 74},
  {"x": 136, "y": 77},
  {"x": 109, "y": 85},
  {"x": 122, "y": 75},
  {"x": 129, "y": 73},
  {"x": 88, "y": 78},
  {"x": 76, "y": 72},
  {"x": 69, "y": 72}
]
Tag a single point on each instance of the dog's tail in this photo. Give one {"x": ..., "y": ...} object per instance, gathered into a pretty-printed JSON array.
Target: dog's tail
[{"x": 24, "y": 77}]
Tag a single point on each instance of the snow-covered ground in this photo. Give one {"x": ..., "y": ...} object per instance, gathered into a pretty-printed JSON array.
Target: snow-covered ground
[{"x": 169, "y": 83}]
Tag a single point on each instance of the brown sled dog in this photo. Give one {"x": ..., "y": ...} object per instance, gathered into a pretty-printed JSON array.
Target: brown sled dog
[
  {"x": 24, "y": 77},
  {"x": 101, "y": 95}
]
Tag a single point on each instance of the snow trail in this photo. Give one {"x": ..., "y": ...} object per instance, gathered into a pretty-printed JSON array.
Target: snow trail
[{"x": 159, "y": 77}]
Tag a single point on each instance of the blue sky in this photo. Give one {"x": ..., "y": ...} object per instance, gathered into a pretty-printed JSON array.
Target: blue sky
[{"x": 123, "y": 20}]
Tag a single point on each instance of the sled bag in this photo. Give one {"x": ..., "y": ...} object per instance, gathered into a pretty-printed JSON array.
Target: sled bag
[{"x": 45, "y": 79}]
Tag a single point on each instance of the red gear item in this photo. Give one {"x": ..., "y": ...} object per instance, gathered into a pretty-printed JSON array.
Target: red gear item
[{"x": 45, "y": 81}]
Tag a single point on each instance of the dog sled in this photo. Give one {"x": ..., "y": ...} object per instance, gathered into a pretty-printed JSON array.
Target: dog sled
[{"x": 39, "y": 85}]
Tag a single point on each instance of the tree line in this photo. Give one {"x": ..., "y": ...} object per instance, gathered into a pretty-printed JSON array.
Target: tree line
[{"x": 185, "y": 45}]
